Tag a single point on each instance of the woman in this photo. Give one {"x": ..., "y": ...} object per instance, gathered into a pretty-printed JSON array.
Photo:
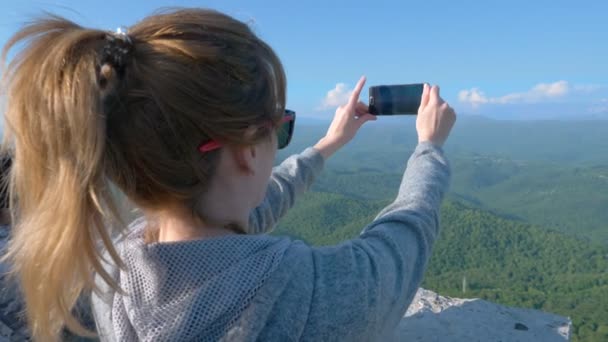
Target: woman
[{"x": 184, "y": 115}]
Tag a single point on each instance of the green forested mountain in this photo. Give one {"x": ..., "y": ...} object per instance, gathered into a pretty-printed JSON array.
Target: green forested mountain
[
  {"x": 505, "y": 261},
  {"x": 517, "y": 264},
  {"x": 573, "y": 143},
  {"x": 569, "y": 142},
  {"x": 569, "y": 199},
  {"x": 526, "y": 220},
  {"x": 549, "y": 173}
]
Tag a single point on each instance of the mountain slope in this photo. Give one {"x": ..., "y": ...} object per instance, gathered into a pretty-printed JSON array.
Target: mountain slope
[
  {"x": 505, "y": 261},
  {"x": 550, "y": 173}
]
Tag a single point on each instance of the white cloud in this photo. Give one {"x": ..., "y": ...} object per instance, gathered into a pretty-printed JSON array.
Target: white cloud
[
  {"x": 336, "y": 97},
  {"x": 538, "y": 93},
  {"x": 473, "y": 96},
  {"x": 556, "y": 89}
]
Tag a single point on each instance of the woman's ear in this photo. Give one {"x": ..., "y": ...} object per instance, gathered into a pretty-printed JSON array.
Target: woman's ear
[{"x": 245, "y": 156}]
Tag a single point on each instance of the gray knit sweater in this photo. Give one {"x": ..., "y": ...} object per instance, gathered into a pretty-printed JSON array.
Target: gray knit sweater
[{"x": 262, "y": 288}]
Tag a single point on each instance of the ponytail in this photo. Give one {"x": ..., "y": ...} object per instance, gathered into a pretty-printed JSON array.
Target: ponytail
[
  {"x": 60, "y": 199},
  {"x": 86, "y": 108}
]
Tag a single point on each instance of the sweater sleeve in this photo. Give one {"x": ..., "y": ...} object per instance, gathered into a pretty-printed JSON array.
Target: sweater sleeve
[
  {"x": 290, "y": 179},
  {"x": 363, "y": 287}
]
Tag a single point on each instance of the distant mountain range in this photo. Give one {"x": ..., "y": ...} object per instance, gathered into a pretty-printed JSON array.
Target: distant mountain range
[
  {"x": 504, "y": 261},
  {"x": 550, "y": 173},
  {"x": 526, "y": 220}
]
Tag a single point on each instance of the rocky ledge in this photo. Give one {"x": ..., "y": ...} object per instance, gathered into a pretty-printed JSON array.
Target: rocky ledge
[{"x": 432, "y": 317}]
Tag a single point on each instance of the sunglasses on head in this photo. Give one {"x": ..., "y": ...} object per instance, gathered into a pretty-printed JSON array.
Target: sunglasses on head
[{"x": 284, "y": 133}]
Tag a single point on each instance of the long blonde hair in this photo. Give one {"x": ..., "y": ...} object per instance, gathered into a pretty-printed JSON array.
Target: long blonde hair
[{"x": 87, "y": 110}]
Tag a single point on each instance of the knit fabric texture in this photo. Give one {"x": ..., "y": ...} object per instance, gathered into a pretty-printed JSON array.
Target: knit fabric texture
[
  {"x": 205, "y": 285},
  {"x": 258, "y": 287}
]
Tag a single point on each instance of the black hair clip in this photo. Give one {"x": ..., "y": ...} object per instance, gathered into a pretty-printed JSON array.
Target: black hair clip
[{"x": 117, "y": 49}]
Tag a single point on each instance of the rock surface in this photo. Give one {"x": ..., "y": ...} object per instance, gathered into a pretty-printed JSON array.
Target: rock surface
[{"x": 432, "y": 317}]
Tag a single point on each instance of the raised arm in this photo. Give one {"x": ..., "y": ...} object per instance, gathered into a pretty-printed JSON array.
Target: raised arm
[
  {"x": 368, "y": 283},
  {"x": 290, "y": 179},
  {"x": 297, "y": 173}
]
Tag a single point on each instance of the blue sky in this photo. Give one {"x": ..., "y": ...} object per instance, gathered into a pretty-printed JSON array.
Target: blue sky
[{"x": 505, "y": 59}]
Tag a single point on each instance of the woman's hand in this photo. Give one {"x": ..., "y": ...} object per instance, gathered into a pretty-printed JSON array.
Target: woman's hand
[
  {"x": 435, "y": 117},
  {"x": 347, "y": 121}
]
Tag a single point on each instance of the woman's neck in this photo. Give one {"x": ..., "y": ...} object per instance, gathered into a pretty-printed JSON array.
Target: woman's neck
[{"x": 179, "y": 225}]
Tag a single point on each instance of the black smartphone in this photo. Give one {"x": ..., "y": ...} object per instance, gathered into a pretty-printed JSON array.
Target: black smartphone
[{"x": 395, "y": 99}]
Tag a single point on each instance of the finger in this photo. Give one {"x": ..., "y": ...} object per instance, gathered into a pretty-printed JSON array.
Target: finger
[
  {"x": 434, "y": 96},
  {"x": 425, "y": 97},
  {"x": 362, "y": 105},
  {"x": 365, "y": 118},
  {"x": 354, "y": 97}
]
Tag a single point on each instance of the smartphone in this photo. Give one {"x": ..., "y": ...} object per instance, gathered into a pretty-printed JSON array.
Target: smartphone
[{"x": 395, "y": 99}]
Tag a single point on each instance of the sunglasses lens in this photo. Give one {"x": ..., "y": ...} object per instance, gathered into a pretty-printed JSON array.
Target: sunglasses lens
[
  {"x": 286, "y": 130},
  {"x": 283, "y": 135}
]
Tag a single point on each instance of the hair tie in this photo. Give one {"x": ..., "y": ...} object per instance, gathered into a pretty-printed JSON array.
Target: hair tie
[{"x": 117, "y": 49}]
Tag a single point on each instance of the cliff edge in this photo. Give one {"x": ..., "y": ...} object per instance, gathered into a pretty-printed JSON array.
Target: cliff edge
[{"x": 432, "y": 317}]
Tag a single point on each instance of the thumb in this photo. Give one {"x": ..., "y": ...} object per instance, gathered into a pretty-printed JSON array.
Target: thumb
[{"x": 365, "y": 118}]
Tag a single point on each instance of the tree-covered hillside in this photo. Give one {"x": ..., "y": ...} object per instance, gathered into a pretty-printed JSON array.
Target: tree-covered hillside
[
  {"x": 517, "y": 264},
  {"x": 572, "y": 200},
  {"x": 505, "y": 261},
  {"x": 515, "y": 185},
  {"x": 552, "y": 174},
  {"x": 572, "y": 143}
]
